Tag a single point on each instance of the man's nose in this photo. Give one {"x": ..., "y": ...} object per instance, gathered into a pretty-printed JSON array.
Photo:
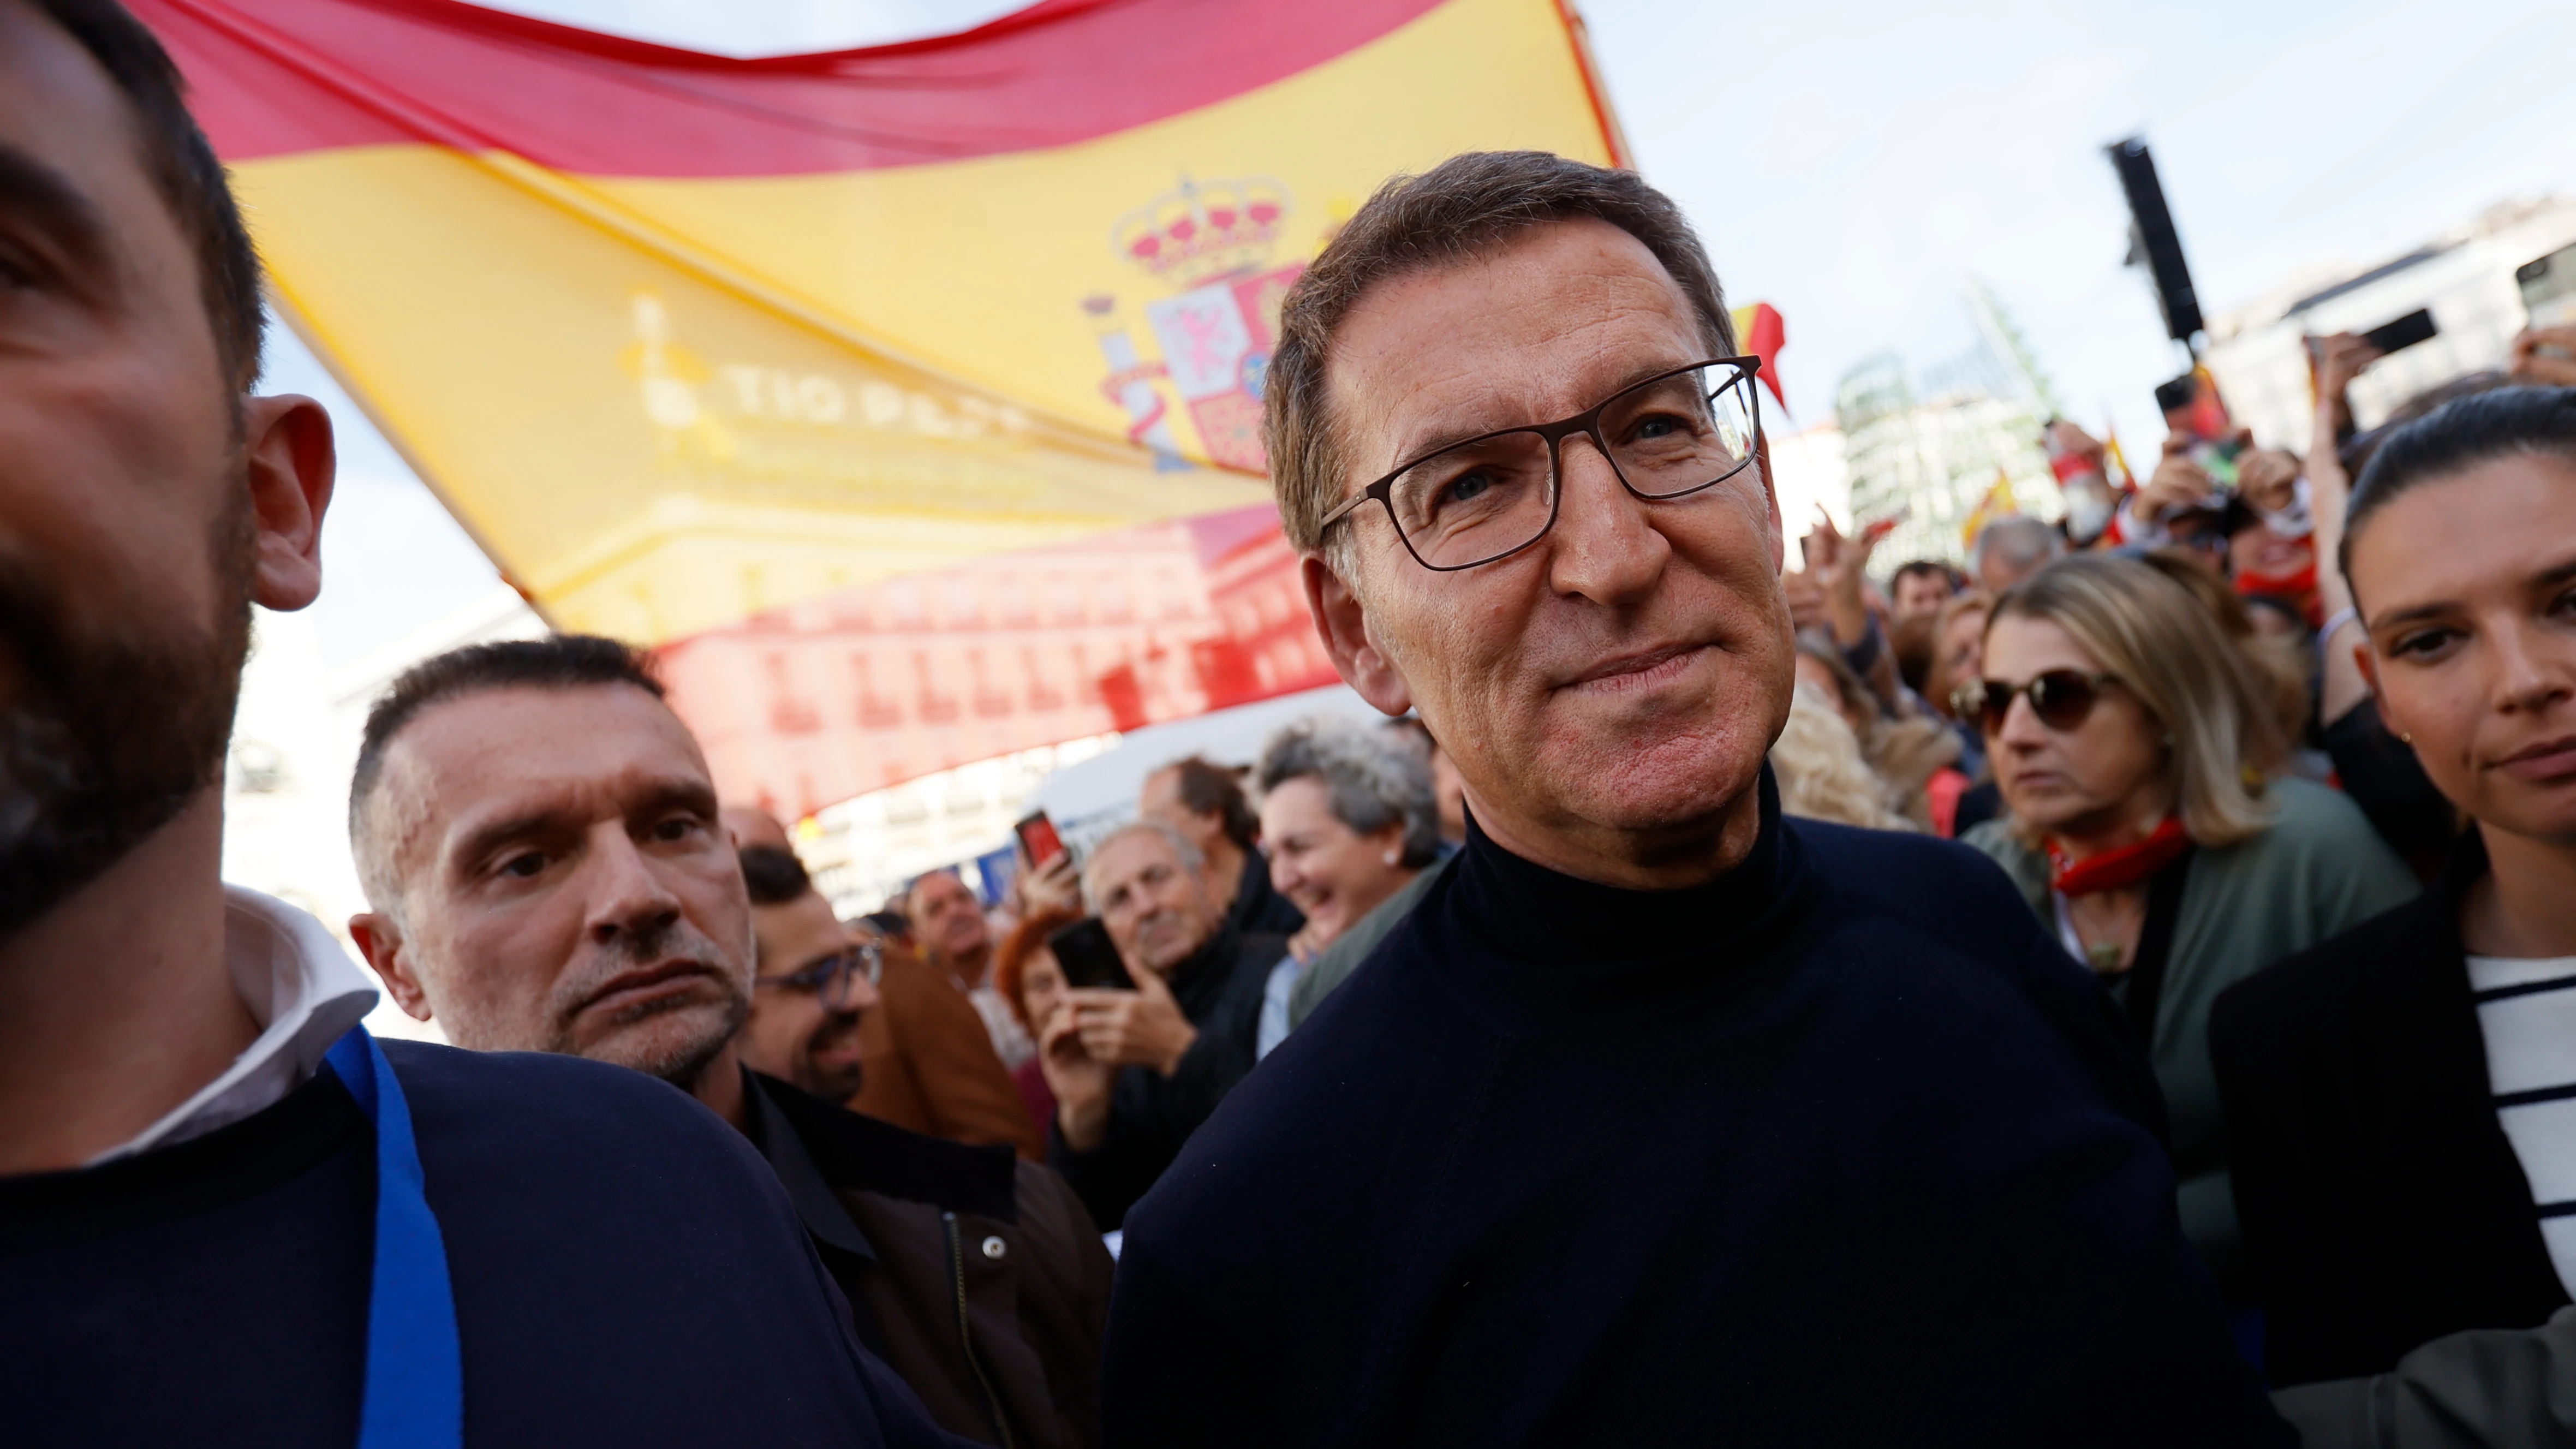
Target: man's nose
[
  {"x": 1604, "y": 546},
  {"x": 627, "y": 896},
  {"x": 863, "y": 995}
]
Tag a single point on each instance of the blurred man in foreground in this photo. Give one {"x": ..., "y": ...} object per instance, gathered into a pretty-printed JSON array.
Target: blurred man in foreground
[
  {"x": 227, "y": 1215},
  {"x": 1661, "y": 1119},
  {"x": 538, "y": 834},
  {"x": 1135, "y": 1072}
]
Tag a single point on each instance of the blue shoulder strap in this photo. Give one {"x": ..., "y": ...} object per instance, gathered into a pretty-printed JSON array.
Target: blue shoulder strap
[{"x": 415, "y": 1392}]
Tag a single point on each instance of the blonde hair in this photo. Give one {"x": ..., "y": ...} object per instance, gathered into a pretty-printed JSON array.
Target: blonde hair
[
  {"x": 2145, "y": 627},
  {"x": 1818, "y": 765},
  {"x": 2280, "y": 663}
]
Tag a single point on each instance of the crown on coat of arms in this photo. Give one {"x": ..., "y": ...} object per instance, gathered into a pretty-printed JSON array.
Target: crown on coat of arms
[{"x": 1200, "y": 231}]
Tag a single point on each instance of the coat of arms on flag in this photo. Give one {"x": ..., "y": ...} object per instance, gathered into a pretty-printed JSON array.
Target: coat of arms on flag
[{"x": 1212, "y": 241}]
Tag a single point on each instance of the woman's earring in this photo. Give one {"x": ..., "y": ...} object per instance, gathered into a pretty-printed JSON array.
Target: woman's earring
[
  {"x": 1393, "y": 856},
  {"x": 2406, "y": 736}
]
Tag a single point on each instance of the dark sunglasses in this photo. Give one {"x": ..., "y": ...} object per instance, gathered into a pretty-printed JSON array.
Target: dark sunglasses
[
  {"x": 2062, "y": 698},
  {"x": 834, "y": 978}
]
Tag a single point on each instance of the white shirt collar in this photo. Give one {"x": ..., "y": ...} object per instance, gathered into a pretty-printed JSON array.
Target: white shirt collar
[{"x": 304, "y": 992}]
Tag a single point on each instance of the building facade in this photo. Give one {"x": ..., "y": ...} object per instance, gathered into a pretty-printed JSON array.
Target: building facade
[
  {"x": 2464, "y": 277},
  {"x": 1927, "y": 454}
]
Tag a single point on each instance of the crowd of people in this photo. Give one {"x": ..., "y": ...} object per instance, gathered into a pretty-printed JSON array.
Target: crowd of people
[{"x": 2121, "y": 990}]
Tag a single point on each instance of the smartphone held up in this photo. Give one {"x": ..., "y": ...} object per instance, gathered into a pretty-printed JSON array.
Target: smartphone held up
[
  {"x": 2548, "y": 286},
  {"x": 2194, "y": 410},
  {"x": 1038, "y": 839},
  {"x": 1088, "y": 958}
]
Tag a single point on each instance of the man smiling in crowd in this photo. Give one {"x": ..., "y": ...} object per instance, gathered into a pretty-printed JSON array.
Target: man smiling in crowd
[
  {"x": 539, "y": 836},
  {"x": 1136, "y": 1071},
  {"x": 1661, "y": 1118}
]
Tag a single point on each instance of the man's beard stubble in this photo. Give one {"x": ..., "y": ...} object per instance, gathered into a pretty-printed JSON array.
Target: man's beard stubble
[
  {"x": 107, "y": 733},
  {"x": 681, "y": 1063}
]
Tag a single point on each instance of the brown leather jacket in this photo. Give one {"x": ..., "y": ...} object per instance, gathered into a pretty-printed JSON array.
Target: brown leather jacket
[
  {"x": 979, "y": 1279},
  {"x": 929, "y": 1063}
]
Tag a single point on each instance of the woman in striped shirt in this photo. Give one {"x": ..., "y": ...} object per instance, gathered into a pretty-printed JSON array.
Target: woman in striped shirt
[{"x": 2401, "y": 1100}]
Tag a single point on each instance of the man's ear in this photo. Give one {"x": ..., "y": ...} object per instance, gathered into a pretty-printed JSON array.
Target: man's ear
[
  {"x": 1342, "y": 622},
  {"x": 380, "y": 940},
  {"x": 292, "y": 462},
  {"x": 1771, "y": 504}
]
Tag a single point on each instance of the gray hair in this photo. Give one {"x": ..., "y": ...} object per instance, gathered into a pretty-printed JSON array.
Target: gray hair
[
  {"x": 1182, "y": 846},
  {"x": 2023, "y": 543},
  {"x": 1371, "y": 778}
]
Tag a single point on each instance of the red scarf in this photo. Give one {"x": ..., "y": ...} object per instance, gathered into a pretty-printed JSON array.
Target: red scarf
[
  {"x": 2117, "y": 869},
  {"x": 2299, "y": 586}
]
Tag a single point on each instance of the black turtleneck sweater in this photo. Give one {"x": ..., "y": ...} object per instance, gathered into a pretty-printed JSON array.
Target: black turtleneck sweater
[
  {"x": 1151, "y": 1115},
  {"x": 1840, "y": 1149}
]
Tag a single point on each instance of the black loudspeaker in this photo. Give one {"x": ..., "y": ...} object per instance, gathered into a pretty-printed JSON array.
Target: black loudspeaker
[{"x": 2152, "y": 231}]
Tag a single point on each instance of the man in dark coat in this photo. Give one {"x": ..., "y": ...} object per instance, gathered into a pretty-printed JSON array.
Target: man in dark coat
[
  {"x": 194, "y": 1206},
  {"x": 531, "y": 822},
  {"x": 1206, "y": 804},
  {"x": 1662, "y": 1118},
  {"x": 1135, "y": 1071}
]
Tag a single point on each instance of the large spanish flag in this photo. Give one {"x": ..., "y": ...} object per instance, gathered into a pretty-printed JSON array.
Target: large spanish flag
[{"x": 907, "y": 397}]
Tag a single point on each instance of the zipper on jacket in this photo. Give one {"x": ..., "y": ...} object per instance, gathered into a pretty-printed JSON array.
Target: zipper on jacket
[{"x": 966, "y": 1335}]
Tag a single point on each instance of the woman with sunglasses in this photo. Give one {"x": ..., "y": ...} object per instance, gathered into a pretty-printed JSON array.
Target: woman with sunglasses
[
  {"x": 2402, "y": 1098},
  {"x": 2133, "y": 743}
]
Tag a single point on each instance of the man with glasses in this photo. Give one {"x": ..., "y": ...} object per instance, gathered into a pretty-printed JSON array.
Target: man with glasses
[
  {"x": 540, "y": 843},
  {"x": 1661, "y": 1118},
  {"x": 918, "y": 1058},
  {"x": 814, "y": 979}
]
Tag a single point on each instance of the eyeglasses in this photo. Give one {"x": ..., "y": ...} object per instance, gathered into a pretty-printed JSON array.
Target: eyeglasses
[
  {"x": 2062, "y": 698},
  {"x": 1491, "y": 496},
  {"x": 834, "y": 979}
]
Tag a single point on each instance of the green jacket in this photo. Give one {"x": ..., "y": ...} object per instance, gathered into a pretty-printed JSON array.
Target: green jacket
[
  {"x": 2319, "y": 870},
  {"x": 1334, "y": 964}
]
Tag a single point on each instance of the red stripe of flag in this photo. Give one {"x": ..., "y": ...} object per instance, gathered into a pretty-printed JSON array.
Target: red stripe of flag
[{"x": 289, "y": 76}]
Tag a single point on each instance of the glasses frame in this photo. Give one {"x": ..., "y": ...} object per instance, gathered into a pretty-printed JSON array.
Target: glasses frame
[
  {"x": 1588, "y": 423},
  {"x": 1985, "y": 689},
  {"x": 830, "y": 977}
]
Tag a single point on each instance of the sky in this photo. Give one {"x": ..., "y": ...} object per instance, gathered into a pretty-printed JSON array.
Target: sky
[{"x": 1855, "y": 163}]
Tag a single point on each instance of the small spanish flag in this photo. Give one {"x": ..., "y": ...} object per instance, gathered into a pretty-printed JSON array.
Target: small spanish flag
[
  {"x": 1760, "y": 332},
  {"x": 1997, "y": 503}
]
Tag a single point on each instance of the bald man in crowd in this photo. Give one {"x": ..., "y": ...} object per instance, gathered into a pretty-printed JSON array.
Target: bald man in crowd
[
  {"x": 539, "y": 840},
  {"x": 1135, "y": 1071}
]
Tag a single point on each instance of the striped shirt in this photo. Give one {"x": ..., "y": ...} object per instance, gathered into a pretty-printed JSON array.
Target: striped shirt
[{"x": 2527, "y": 1013}]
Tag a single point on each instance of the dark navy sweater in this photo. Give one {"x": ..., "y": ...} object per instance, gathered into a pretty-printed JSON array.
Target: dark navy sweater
[
  {"x": 627, "y": 1271},
  {"x": 1839, "y": 1150}
]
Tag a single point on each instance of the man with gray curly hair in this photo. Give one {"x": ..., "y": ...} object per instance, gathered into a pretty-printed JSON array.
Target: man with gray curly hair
[{"x": 1348, "y": 818}]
